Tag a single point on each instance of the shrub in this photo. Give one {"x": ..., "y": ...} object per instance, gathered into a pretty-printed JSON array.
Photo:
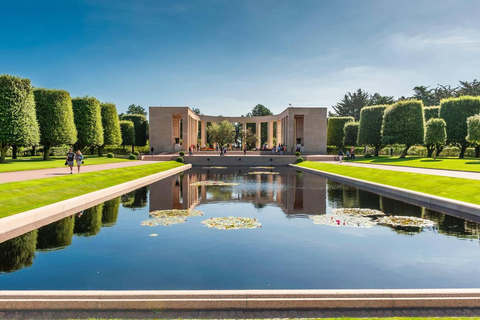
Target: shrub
[
  {"x": 182, "y": 153},
  {"x": 136, "y": 153},
  {"x": 18, "y": 120},
  {"x": 297, "y": 153},
  {"x": 350, "y": 133},
  {"x": 140, "y": 125},
  {"x": 132, "y": 157},
  {"x": 299, "y": 160},
  {"x": 404, "y": 123},
  {"x": 367, "y": 155},
  {"x": 335, "y": 130},
  {"x": 431, "y": 112},
  {"x": 455, "y": 112},
  {"x": 88, "y": 121},
  {"x": 110, "y": 155},
  {"x": 128, "y": 133},
  {"x": 179, "y": 159},
  {"x": 111, "y": 126},
  {"x": 370, "y": 127},
  {"x": 435, "y": 134},
  {"x": 473, "y": 129},
  {"x": 55, "y": 119}
]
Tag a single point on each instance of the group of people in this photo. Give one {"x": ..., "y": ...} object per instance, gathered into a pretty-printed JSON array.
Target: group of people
[
  {"x": 349, "y": 154},
  {"x": 72, "y": 158},
  {"x": 282, "y": 149}
]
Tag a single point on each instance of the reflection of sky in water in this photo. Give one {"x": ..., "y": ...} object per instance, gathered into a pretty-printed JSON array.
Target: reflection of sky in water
[{"x": 107, "y": 248}]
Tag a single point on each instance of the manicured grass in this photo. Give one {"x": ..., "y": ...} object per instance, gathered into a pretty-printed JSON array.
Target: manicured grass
[
  {"x": 33, "y": 163},
  {"x": 453, "y": 188},
  {"x": 467, "y": 164},
  {"x": 21, "y": 196}
]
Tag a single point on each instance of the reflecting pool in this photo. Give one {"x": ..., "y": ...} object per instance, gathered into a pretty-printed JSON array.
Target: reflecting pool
[{"x": 301, "y": 244}]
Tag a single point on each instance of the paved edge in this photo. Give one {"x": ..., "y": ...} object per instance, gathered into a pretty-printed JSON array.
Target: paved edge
[
  {"x": 20, "y": 223},
  {"x": 449, "y": 206},
  {"x": 240, "y": 299}
]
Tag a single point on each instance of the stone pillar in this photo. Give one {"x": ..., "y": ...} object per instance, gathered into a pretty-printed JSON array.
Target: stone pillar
[
  {"x": 244, "y": 134},
  {"x": 270, "y": 134},
  {"x": 258, "y": 132},
  {"x": 203, "y": 134},
  {"x": 196, "y": 132},
  {"x": 185, "y": 133},
  {"x": 279, "y": 131},
  {"x": 291, "y": 133}
]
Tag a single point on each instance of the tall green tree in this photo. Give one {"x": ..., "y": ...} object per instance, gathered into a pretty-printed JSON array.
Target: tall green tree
[
  {"x": 249, "y": 138},
  {"x": 370, "y": 128},
  {"x": 111, "y": 126},
  {"x": 469, "y": 88},
  {"x": 352, "y": 103},
  {"x": 88, "y": 121},
  {"x": 197, "y": 111},
  {"x": 455, "y": 112},
  {"x": 18, "y": 119},
  {"x": 128, "y": 133},
  {"x": 335, "y": 131},
  {"x": 404, "y": 123},
  {"x": 473, "y": 130},
  {"x": 435, "y": 134},
  {"x": 258, "y": 111},
  {"x": 136, "y": 109},
  {"x": 55, "y": 119},
  {"x": 221, "y": 133},
  {"x": 140, "y": 125}
]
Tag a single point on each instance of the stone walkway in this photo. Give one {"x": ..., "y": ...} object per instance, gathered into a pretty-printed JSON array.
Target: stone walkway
[
  {"x": 437, "y": 172},
  {"x": 64, "y": 171},
  {"x": 251, "y": 314}
]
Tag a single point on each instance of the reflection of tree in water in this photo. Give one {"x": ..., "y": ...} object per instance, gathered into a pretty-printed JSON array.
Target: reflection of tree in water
[
  {"x": 399, "y": 208},
  {"x": 90, "y": 222},
  {"x": 110, "y": 212},
  {"x": 335, "y": 193},
  {"x": 368, "y": 199},
  {"x": 18, "y": 253},
  {"x": 453, "y": 226},
  {"x": 56, "y": 235},
  {"x": 219, "y": 193},
  {"x": 135, "y": 199},
  {"x": 259, "y": 205}
]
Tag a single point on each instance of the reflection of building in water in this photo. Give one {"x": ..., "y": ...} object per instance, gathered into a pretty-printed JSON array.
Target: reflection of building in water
[{"x": 294, "y": 192}]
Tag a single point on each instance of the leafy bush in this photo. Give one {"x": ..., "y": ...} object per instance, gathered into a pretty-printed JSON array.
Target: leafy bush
[
  {"x": 473, "y": 126},
  {"x": 435, "y": 133},
  {"x": 299, "y": 160},
  {"x": 55, "y": 118},
  {"x": 136, "y": 153},
  {"x": 350, "y": 133},
  {"x": 179, "y": 159},
  {"x": 110, "y": 155},
  {"x": 140, "y": 125},
  {"x": 431, "y": 112},
  {"x": 335, "y": 130},
  {"x": 367, "y": 155},
  {"x": 181, "y": 153},
  {"x": 88, "y": 121},
  {"x": 370, "y": 127},
  {"x": 404, "y": 123},
  {"x": 297, "y": 153},
  {"x": 455, "y": 112},
  {"x": 132, "y": 157}
]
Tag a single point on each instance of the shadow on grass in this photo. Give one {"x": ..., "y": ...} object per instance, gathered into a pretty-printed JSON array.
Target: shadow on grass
[
  {"x": 431, "y": 160},
  {"x": 476, "y": 162}
]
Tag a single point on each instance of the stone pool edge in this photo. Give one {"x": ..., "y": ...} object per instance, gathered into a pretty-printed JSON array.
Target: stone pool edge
[
  {"x": 450, "y": 206},
  {"x": 20, "y": 223},
  {"x": 240, "y": 299}
]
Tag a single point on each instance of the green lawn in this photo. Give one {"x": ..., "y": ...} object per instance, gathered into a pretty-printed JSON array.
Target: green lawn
[
  {"x": 33, "y": 163},
  {"x": 21, "y": 196},
  {"x": 453, "y": 188},
  {"x": 467, "y": 164}
]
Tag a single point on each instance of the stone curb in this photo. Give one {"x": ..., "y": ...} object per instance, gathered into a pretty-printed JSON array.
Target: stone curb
[
  {"x": 450, "y": 206},
  {"x": 20, "y": 223},
  {"x": 239, "y": 299}
]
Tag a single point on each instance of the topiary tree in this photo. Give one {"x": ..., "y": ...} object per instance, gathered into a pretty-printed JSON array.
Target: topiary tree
[
  {"x": 88, "y": 120},
  {"x": 335, "y": 130},
  {"x": 55, "y": 119},
  {"x": 350, "y": 132},
  {"x": 455, "y": 112},
  {"x": 18, "y": 252},
  {"x": 140, "y": 125},
  {"x": 110, "y": 212},
  {"x": 18, "y": 120},
  {"x": 370, "y": 127},
  {"x": 128, "y": 133},
  {"x": 431, "y": 112},
  {"x": 111, "y": 126},
  {"x": 90, "y": 222},
  {"x": 404, "y": 123},
  {"x": 435, "y": 134},
  {"x": 473, "y": 129}
]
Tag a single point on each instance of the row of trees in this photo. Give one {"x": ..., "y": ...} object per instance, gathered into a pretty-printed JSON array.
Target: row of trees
[
  {"x": 31, "y": 116},
  {"x": 455, "y": 122}
]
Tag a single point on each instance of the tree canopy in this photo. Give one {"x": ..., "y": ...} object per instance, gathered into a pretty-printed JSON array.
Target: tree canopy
[
  {"x": 335, "y": 131},
  {"x": 88, "y": 121},
  {"x": 140, "y": 126},
  {"x": 435, "y": 133},
  {"x": 370, "y": 128},
  {"x": 259, "y": 110},
  {"x": 110, "y": 123},
  {"x": 128, "y": 132},
  {"x": 136, "y": 109},
  {"x": 221, "y": 133},
  {"x": 352, "y": 103}
]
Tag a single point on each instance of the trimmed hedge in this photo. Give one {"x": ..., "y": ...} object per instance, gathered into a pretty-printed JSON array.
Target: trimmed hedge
[
  {"x": 299, "y": 160},
  {"x": 56, "y": 235},
  {"x": 140, "y": 125},
  {"x": 110, "y": 123},
  {"x": 335, "y": 130},
  {"x": 370, "y": 127},
  {"x": 128, "y": 133},
  {"x": 350, "y": 133},
  {"x": 132, "y": 157},
  {"x": 55, "y": 119},
  {"x": 179, "y": 159},
  {"x": 297, "y": 153},
  {"x": 455, "y": 112},
  {"x": 18, "y": 119},
  {"x": 404, "y": 123},
  {"x": 473, "y": 129},
  {"x": 435, "y": 134},
  {"x": 88, "y": 121},
  {"x": 431, "y": 112},
  {"x": 181, "y": 153},
  {"x": 110, "y": 155}
]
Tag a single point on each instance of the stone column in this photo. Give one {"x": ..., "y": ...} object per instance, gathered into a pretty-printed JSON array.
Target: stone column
[
  {"x": 203, "y": 134},
  {"x": 185, "y": 133},
  {"x": 291, "y": 133},
  {"x": 196, "y": 132},
  {"x": 244, "y": 134},
  {"x": 279, "y": 131},
  {"x": 258, "y": 132},
  {"x": 270, "y": 134}
]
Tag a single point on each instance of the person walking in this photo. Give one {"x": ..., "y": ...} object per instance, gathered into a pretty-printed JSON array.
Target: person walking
[
  {"x": 69, "y": 159},
  {"x": 352, "y": 152},
  {"x": 78, "y": 160},
  {"x": 190, "y": 151},
  {"x": 391, "y": 152},
  {"x": 151, "y": 150},
  {"x": 245, "y": 150},
  {"x": 340, "y": 155}
]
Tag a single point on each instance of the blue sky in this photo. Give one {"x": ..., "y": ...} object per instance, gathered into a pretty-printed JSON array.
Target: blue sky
[{"x": 225, "y": 57}]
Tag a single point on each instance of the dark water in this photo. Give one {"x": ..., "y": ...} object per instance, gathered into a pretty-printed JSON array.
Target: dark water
[{"x": 107, "y": 248}]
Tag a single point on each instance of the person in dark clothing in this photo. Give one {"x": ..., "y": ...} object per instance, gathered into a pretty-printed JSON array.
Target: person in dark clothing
[{"x": 340, "y": 155}]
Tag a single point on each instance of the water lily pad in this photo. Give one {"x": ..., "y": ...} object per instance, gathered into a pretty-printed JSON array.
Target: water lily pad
[
  {"x": 365, "y": 212},
  {"x": 170, "y": 217},
  {"x": 231, "y": 223},
  {"x": 214, "y": 183},
  {"x": 163, "y": 221},
  {"x": 214, "y": 167},
  {"x": 344, "y": 220},
  {"x": 403, "y": 221}
]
